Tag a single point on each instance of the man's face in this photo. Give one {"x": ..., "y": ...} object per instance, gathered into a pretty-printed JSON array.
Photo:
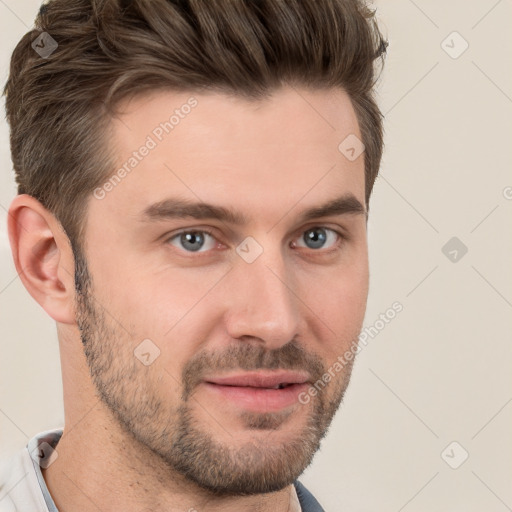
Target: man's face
[{"x": 172, "y": 304}]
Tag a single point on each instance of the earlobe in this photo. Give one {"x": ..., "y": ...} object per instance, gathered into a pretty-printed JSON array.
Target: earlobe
[{"x": 43, "y": 257}]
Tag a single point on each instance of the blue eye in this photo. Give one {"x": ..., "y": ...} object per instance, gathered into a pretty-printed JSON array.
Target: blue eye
[
  {"x": 193, "y": 241},
  {"x": 316, "y": 237}
]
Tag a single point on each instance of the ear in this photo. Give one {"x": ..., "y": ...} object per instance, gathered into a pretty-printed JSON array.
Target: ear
[{"x": 43, "y": 257}]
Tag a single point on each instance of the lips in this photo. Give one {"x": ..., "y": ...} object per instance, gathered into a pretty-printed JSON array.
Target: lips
[
  {"x": 259, "y": 392},
  {"x": 268, "y": 380}
]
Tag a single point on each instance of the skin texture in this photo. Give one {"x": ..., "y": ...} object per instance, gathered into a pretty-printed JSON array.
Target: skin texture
[{"x": 154, "y": 437}]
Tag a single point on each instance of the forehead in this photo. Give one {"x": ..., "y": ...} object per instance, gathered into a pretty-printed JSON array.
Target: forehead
[
  {"x": 308, "y": 115},
  {"x": 226, "y": 149}
]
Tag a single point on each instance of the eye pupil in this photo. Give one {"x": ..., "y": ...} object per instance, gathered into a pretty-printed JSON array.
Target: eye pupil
[
  {"x": 192, "y": 238},
  {"x": 316, "y": 236}
]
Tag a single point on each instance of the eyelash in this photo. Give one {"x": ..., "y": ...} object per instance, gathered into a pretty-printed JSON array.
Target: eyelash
[{"x": 341, "y": 238}]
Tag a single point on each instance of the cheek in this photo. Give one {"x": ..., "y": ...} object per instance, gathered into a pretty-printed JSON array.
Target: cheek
[
  {"x": 339, "y": 304},
  {"x": 174, "y": 309},
  {"x": 151, "y": 301}
]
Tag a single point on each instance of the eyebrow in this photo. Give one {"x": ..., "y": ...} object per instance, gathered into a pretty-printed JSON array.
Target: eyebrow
[{"x": 176, "y": 208}]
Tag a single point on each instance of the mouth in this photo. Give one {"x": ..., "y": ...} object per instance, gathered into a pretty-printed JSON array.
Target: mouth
[{"x": 259, "y": 391}]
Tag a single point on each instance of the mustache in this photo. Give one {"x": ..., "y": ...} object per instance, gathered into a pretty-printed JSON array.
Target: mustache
[{"x": 250, "y": 357}]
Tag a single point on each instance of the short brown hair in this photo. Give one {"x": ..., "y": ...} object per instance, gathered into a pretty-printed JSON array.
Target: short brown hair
[{"x": 59, "y": 107}]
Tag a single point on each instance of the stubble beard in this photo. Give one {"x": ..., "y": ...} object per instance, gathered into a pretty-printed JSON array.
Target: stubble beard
[{"x": 173, "y": 433}]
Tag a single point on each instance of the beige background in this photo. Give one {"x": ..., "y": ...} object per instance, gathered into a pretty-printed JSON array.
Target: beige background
[{"x": 441, "y": 370}]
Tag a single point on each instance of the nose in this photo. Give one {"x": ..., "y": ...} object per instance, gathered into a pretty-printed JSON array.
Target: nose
[{"x": 262, "y": 303}]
